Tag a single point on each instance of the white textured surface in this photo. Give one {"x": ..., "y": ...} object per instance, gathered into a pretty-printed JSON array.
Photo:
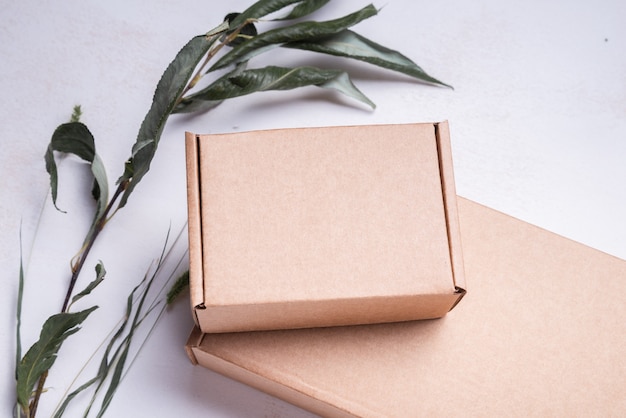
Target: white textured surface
[{"x": 538, "y": 125}]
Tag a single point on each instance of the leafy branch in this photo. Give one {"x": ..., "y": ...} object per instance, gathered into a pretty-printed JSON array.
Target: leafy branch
[{"x": 177, "y": 92}]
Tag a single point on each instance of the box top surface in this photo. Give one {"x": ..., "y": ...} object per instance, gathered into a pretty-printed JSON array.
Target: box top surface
[{"x": 314, "y": 214}]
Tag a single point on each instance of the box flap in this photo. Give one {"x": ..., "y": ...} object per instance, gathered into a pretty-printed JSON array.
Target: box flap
[
  {"x": 296, "y": 223},
  {"x": 450, "y": 202}
]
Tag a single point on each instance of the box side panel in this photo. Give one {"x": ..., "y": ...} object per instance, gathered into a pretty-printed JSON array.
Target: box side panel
[
  {"x": 194, "y": 221},
  {"x": 450, "y": 202},
  {"x": 266, "y": 384},
  {"x": 324, "y": 313}
]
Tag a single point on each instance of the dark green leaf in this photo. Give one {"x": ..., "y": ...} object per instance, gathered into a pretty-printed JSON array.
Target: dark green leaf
[
  {"x": 279, "y": 78},
  {"x": 193, "y": 103},
  {"x": 61, "y": 410},
  {"x": 352, "y": 45},
  {"x": 121, "y": 354},
  {"x": 297, "y": 32},
  {"x": 265, "y": 7},
  {"x": 168, "y": 92},
  {"x": 304, "y": 8},
  {"x": 75, "y": 138},
  {"x": 100, "y": 273},
  {"x": 42, "y": 355},
  {"x": 108, "y": 361}
]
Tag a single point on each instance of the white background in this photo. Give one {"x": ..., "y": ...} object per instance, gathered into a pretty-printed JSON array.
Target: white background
[{"x": 537, "y": 116}]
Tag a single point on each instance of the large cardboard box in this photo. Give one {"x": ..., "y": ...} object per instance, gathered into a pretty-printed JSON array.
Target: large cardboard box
[
  {"x": 316, "y": 227},
  {"x": 540, "y": 334}
]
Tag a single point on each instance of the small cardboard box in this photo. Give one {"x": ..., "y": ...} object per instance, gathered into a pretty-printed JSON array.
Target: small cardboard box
[
  {"x": 315, "y": 227},
  {"x": 541, "y": 334}
]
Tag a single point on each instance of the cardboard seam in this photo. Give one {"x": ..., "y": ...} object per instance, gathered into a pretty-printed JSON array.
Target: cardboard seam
[
  {"x": 196, "y": 248},
  {"x": 199, "y": 172},
  {"x": 337, "y": 300},
  {"x": 455, "y": 264}
]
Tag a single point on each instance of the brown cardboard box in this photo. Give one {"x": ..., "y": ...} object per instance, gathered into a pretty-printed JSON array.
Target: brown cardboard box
[
  {"x": 319, "y": 227},
  {"x": 541, "y": 334}
]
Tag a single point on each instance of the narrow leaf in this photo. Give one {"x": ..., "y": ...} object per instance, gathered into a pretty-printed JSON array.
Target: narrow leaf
[
  {"x": 61, "y": 410},
  {"x": 108, "y": 360},
  {"x": 75, "y": 138},
  {"x": 100, "y": 273},
  {"x": 42, "y": 355},
  {"x": 304, "y": 8},
  {"x": 297, "y": 32},
  {"x": 352, "y": 45},
  {"x": 265, "y": 7},
  {"x": 168, "y": 92},
  {"x": 121, "y": 354},
  {"x": 20, "y": 296},
  {"x": 279, "y": 78}
]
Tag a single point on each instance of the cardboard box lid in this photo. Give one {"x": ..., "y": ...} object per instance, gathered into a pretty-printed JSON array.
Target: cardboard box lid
[
  {"x": 541, "y": 334},
  {"x": 322, "y": 226}
]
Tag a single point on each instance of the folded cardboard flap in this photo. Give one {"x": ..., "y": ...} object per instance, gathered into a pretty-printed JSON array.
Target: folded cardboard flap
[
  {"x": 538, "y": 336},
  {"x": 316, "y": 227}
]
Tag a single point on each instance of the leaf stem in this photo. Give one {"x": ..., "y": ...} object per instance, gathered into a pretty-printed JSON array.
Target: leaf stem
[
  {"x": 212, "y": 52},
  {"x": 93, "y": 234},
  {"x": 90, "y": 241}
]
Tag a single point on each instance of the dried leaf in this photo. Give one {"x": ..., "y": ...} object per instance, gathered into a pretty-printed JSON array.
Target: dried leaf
[
  {"x": 352, "y": 45},
  {"x": 42, "y": 355},
  {"x": 166, "y": 96},
  {"x": 265, "y": 7},
  {"x": 100, "y": 273},
  {"x": 304, "y": 8},
  {"x": 278, "y": 78},
  {"x": 297, "y": 32},
  {"x": 20, "y": 297},
  {"x": 75, "y": 138}
]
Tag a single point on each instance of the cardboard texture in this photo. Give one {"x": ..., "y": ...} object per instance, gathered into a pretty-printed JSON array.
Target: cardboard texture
[
  {"x": 541, "y": 334},
  {"x": 316, "y": 227}
]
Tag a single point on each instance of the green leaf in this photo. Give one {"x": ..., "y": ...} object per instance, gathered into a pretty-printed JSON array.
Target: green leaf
[
  {"x": 265, "y": 7},
  {"x": 279, "y": 78},
  {"x": 304, "y": 8},
  {"x": 177, "y": 288},
  {"x": 75, "y": 138},
  {"x": 76, "y": 114},
  {"x": 192, "y": 103},
  {"x": 121, "y": 354},
  {"x": 167, "y": 94},
  {"x": 297, "y": 32},
  {"x": 61, "y": 410},
  {"x": 100, "y": 273},
  {"x": 42, "y": 355},
  {"x": 352, "y": 45},
  {"x": 20, "y": 296}
]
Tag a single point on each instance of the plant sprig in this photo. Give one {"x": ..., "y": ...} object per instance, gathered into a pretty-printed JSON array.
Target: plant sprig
[{"x": 177, "y": 92}]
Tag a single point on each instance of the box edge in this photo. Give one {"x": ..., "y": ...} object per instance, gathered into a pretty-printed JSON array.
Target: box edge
[
  {"x": 446, "y": 168},
  {"x": 194, "y": 226}
]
